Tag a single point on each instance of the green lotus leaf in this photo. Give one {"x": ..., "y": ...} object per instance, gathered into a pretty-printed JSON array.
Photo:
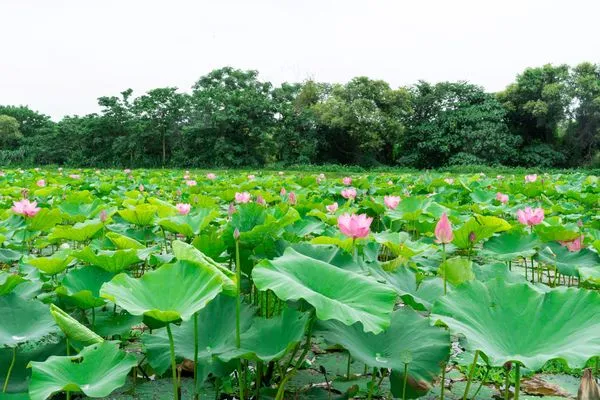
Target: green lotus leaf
[
  {"x": 7, "y": 256},
  {"x": 187, "y": 252},
  {"x": 410, "y": 208},
  {"x": 554, "y": 229},
  {"x": 44, "y": 220},
  {"x": 457, "y": 270},
  {"x": 23, "y": 320},
  {"x": 568, "y": 262},
  {"x": 270, "y": 339},
  {"x": 72, "y": 328},
  {"x": 141, "y": 214},
  {"x": 81, "y": 286},
  {"x": 333, "y": 292},
  {"x": 483, "y": 227},
  {"x": 96, "y": 371},
  {"x": 510, "y": 245},
  {"x": 418, "y": 295},
  {"x": 189, "y": 225},
  {"x": 124, "y": 242},
  {"x": 216, "y": 334},
  {"x": 80, "y": 232},
  {"x": 517, "y": 322},
  {"x": 410, "y": 339},
  {"x": 51, "y": 265},
  {"x": 81, "y": 209},
  {"x": 108, "y": 323},
  {"x": 9, "y": 281},
  {"x": 169, "y": 294},
  {"x": 113, "y": 261}
]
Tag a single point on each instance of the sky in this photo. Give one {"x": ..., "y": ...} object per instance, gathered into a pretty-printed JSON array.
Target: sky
[{"x": 59, "y": 56}]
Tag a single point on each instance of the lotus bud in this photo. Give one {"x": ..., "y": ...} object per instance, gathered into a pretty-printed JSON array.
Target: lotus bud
[
  {"x": 236, "y": 234},
  {"x": 282, "y": 192},
  {"x": 103, "y": 216},
  {"x": 472, "y": 237},
  {"x": 231, "y": 209},
  {"x": 292, "y": 199}
]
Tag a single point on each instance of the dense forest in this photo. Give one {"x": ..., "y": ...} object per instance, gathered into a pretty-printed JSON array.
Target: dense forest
[{"x": 549, "y": 117}]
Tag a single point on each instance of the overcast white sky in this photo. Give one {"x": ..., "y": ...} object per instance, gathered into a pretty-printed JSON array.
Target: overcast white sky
[{"x": 58, "y": 56}]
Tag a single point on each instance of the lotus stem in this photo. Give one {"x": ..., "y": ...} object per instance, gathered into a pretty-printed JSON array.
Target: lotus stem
[
  {"x": 517, "y": 380},
  {"x": 348, "y": 366},
  {"x": 443, "y": 381},
  {"x": 507, "y": 384},
  {"x": 405, "y": 380},
  {"x": 10, "y": 368},
  {"x": 238, "y": 306},
  {"x": 444, "y": 264},
  {"x": 196, "y": 394},
  {"x": 370, "y": 396},
  {"x": 173, "y": 364},
  {"x": 487, "y": 371},
  {"x": 471, "y": 373}
]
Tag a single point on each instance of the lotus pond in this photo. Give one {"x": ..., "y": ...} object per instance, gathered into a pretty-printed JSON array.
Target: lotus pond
[{"x": 161, "y": 284}]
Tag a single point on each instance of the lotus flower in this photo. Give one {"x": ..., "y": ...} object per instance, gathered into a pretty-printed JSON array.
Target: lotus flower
[
  {"x": 332, "y": 208},
  {"x": 186, "y": 176},
  {"x": 573, "y": 245},
  {"x": 283, "y": 192},
  {"x": 251, "y": 177},
  {"x": 530, "y": 216},
  {"x": 191, "y": 182},
  {"x": 74, "y": 176},
  {"x": 391, "y": 201},
  {"x": 443, "y": 230},
  {"x": 183, "y": 208},
  {"x": 231, "y": 209},
  {"x": 25, "y": 208},
  {"x": 349, "y": 193},
  {"x": 531, "y": 178},
  {"x": 260, "y": 200},
  {"x": 354, "y": 226},
  {"x": 242, "y": 197},
  {"x": 449, "y": 181},
  {"x": 126, "y": 171},
  {"x": 502, "y": 198},
  {"x": 347, "y": 181},
  {"x": 390, "y": 183},
  {"x": 103, "y": 215},
  {"x": 292, "y": 199},
  {"x": 41, "y": 183},
  {"x": 141, "y": 187},
  {"x": 211, "y": 176}
]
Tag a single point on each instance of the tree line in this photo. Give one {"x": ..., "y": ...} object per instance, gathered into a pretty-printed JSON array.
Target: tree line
[{"x": 548, "y": 117}]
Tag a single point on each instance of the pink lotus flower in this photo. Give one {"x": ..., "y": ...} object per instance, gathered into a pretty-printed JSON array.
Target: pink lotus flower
[
  {"x": 573, "y": 245},
  {"x": 282, "y": 192},
  {"x": 354, "y": 226},
  {"x": 499, "y": 177},
  {"x": 242, "y": 197},
  {"x": 530, "y": 178},
  {"x": 449, "y": 181},
  {"x": 186, "y": 177},
  {"x": 260, "y": 200},
  {"x": 141, "y": 187},
  {"x": 292, "y": 199},
  {"x": 251, "y": 177},
  {"x": 74, "y": 176},
  {"x": 332, "y": 208},
  {"x": 349, "y": 193},
  {"x": 391, "y": 201},
  {"x": 347, "y": 181},
  {"x": 36, "y": 169},
  {"x": 280, "y": 173},
  {"x": 390, "y": 183},
  {"x": 25, "y": 208},
  {"x": 103, "y": 215},
  {"x": 231, "y": 209},
  {"x": 126, "y": 171},
  {"x": 502, "y": 198},
  {"x": 191, "y": 182},
  {"x": 2, "y": 173},
  {"x": 443, "y": 230},
  {"x": 531, "y": 216},
  {"x": 183, "y": 208},
  {"x": 41, "y": 183},
  {"x": 211, "y": 176}
]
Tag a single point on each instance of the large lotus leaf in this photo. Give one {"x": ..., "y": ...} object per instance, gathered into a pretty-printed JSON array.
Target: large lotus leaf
[
  {"x": 517, "y": 322},
  {"x": 80, "y": 232},
  {"x": 53, "y": 264},
  {"x": 141, "y": 215},
  {"x": 270, "y": 339},
  {"x": 191, "y": 224},
  {"x": 554, "y": 229},
  {"x": 113, "y": 261},
  {"x": 457, "y": 270},
  {"x": 80, "y": 208},
  {"x": 216, "y": 334},
  {"x": 23, "y": 320},
  {"x": 108, "y": 323},
  {"x": 72, "y": 328},
  {"x": 96, "y": 371},
  {"x": 330, "y": 254},
  {"x": 81, "y": 286},
  {"x": 410, "y": 208},
  {"x": 44, "y": 220},
  {"x": 169, "y": 294},
  {"x": 510, "y": 245},
  {"x": 568, "y": 262},
  {"x": 124, "y": 242},
  {"x": 335, "y": 293},
  {"x": 400, "y": 244},
  {"x": 483, "y": 227},
  {"x": 410, "y": 339},
  {"x": 7, "y": 256},
  {"x": 418, "y": 295},
  {"x": 9, "y": 281},
  {"x": 187, "y": 252}
]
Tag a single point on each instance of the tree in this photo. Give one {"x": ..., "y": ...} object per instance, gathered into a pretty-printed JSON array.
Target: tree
[
  {"x": 456, "y": 123},
  {"x": 9, "y": 131}
]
